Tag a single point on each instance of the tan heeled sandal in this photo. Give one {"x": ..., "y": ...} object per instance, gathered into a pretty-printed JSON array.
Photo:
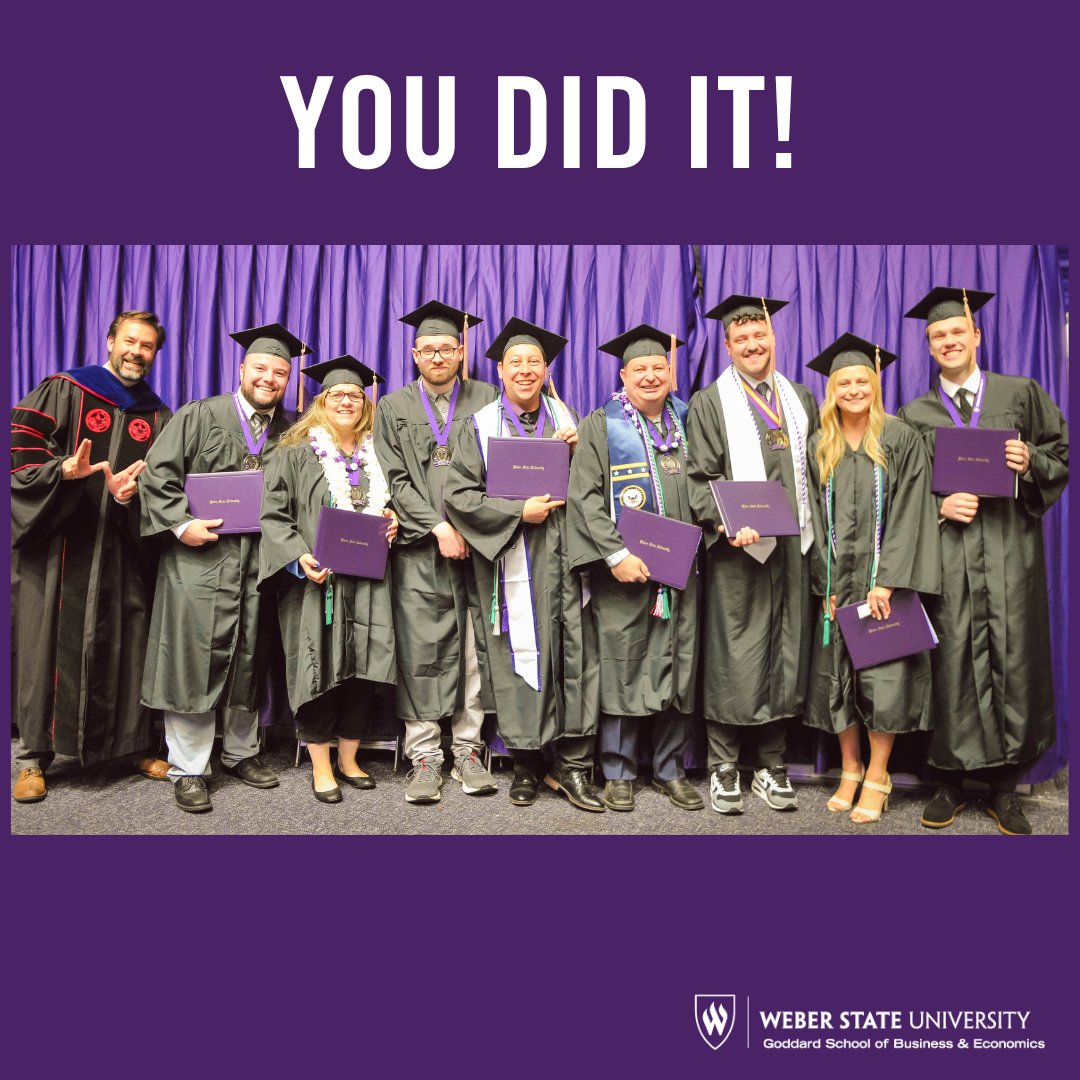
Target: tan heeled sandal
[
  {"x": 870, "y": 816},
  {"x": 837, "y": 805}
]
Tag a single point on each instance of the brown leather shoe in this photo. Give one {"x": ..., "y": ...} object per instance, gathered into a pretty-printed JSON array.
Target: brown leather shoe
[
  {"x": 29, "y": 786},
  {"x": 152, "y": 768}
]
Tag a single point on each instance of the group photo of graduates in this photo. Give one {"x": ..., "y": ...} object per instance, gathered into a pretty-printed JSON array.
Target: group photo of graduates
[{"x": 524, "y": 538}]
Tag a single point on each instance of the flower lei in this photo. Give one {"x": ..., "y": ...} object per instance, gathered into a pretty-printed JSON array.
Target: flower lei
[{"x": 336, "y": 468}]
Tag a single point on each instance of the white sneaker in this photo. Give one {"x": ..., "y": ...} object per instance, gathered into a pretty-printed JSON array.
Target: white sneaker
[
  {"x": 772, "y": 785},
  {"x": 724, "y": 792}
]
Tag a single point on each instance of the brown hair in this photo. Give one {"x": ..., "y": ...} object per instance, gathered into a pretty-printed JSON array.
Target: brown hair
[{"x": 147, "y": 317}]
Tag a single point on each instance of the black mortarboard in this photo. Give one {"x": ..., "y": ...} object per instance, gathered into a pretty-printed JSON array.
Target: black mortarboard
[
  {"x": 517, "y": 331},
  {"x": 849, "y": 351},
  {"x": 643, "y": 340},
  {"x": 272, "y": 339},
  {"x": 342, "y": 369},
  {"x": 751, "y": 306},
  {"x": 945, "y": 302},
  {"x": 435, "y": 317}
]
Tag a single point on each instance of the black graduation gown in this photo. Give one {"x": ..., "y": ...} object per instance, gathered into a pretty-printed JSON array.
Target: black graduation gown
[
  {"x": 205, "y": 650},
  {"x": 647, "y": 664},
  {"x": 359, "y": 642},
  {"x": 993, "y": 696},
  {"x": 432, "y": 596},
  {"x": 756, "y": 618},
  {"x": 567, "y": 701},
  {"x": 81, "y": 576},
  {"x": 893, "y": 697}
]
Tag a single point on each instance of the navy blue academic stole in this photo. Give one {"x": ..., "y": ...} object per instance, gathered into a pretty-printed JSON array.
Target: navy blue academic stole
[{"x": 631, "y": 482}]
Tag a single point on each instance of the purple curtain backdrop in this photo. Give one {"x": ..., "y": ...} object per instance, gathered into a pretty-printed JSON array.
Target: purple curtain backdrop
[{"x": 340, "y": 298}]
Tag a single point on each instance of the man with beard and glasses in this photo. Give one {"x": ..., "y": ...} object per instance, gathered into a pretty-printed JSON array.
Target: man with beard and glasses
[
  {"x": 436, "y": 609},
  {"x": 209, "y": 631},
  {"x": 81, "y": 576}
]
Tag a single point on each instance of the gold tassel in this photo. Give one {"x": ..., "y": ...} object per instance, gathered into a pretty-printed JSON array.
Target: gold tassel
[
  {"x": 465, "y": 350},
  {"x": 374, "y": 392},
  {"x": 768, "y": 323},
  {"x": 877, "y": 359},
  {"x": 970, "y": 319},
  {"x": 674, "y": 373},
  {"x": 300, "y": 380}
]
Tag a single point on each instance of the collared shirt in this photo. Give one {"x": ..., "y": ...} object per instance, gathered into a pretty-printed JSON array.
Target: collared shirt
[{"x": 970, "y": 384}]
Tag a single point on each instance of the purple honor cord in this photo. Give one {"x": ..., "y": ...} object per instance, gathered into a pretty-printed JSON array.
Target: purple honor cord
[
  {"x": 254, "y": 448},
  {"x": 976, "y": 409},
  {"x": 441, "y": 436}
]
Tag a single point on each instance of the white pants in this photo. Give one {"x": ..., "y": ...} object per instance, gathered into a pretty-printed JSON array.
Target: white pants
[{"x": 190, "y": 739}]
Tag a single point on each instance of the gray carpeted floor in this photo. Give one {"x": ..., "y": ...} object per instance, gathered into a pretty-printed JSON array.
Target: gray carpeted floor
[{"x": 111, "y": 800}]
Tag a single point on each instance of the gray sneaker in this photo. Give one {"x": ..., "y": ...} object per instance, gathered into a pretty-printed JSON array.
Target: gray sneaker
[
  {"x": 724, "y": 792},
  {"x": 473, "y": 777},
  {"x": 772, "y": 785},
  {"x": 425, "y": 783}
]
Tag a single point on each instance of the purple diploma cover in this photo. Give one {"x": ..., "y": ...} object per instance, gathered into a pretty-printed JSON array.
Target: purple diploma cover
[
  {"x": 235, "y": 497},
  {"x": 522, "y": 468},
  {"x": 973, "y": 460},
  {"x": 352, "y": 543},
  {"x": 665, "y": 545},
  {"x": 761, "y": 505},
  {"x": 872, "y": 641}
]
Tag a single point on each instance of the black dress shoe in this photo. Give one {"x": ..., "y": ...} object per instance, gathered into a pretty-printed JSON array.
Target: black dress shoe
[
  {"x": 577, "y": 787},
  {"x": 619, "y": 795},
  {"x": 523, "y": 789},
  {"x": 1004, "y": 807},
  {"x": 191, "y": 794},
  {"x": 942, "y": 810},
  {"x": 252, "y": 771},
  {"x": 364, "y": 783},
  {"x": 331, "y": 796},
  {"x": 681, "y": 793}
]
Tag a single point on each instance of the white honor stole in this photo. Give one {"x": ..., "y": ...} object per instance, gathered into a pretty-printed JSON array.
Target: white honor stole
[
  {"x": 747, "y": 457},
  {"x": 513, "y": 567}
]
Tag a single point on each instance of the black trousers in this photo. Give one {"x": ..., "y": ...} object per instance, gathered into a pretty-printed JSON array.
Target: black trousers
[
  {"x": 337, "y": 714},
  {"x": 1001, "y": 778},
  {"x": 766, "y": 740},
  {"x": 570, "y": 751}
]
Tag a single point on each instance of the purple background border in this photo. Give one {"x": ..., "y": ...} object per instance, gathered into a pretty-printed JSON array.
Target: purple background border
[{"x": 170, "y": 127}]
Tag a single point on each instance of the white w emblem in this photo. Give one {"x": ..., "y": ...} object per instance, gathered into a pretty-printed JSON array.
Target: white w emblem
[{"x": 714, "y": 1015}]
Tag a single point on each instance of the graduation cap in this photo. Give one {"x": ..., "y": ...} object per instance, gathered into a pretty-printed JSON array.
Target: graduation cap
[
  {"x": 946, "y": 302},
  {"x": 519, "y": 332},
  {"x": 272, "y": 339},
  {"x": 344, "y": 369},
  {"x": 737, "y": 306},
  {"x": 848, "y": 350},
  {"x": 436, "y": 318},
  {"x": 644, "y": 340}
]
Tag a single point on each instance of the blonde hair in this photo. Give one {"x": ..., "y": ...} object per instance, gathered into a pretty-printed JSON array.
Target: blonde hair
[
  {"x": 316, "y": 417},
  {"x": 832, "y": 444}
]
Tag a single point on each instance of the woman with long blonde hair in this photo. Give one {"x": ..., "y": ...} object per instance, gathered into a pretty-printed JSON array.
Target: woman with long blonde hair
[
  {"x": 875, "y": 529},
  {"x": 337, "y": 630}
]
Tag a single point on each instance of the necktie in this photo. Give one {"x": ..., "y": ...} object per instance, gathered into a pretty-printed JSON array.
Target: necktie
[
  {"x": 963, "y": 404},
  {"x": 257, "y": 423},
  {"x": 763, "y": 390}
]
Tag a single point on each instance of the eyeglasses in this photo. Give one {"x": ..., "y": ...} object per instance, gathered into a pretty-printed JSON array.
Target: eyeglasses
[
  {"x": 447, "y": 352},
  {"x": 335, "y": 396}
]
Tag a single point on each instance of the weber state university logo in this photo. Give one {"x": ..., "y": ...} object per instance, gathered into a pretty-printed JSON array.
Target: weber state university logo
[{"x": 714, "y": 1015}]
